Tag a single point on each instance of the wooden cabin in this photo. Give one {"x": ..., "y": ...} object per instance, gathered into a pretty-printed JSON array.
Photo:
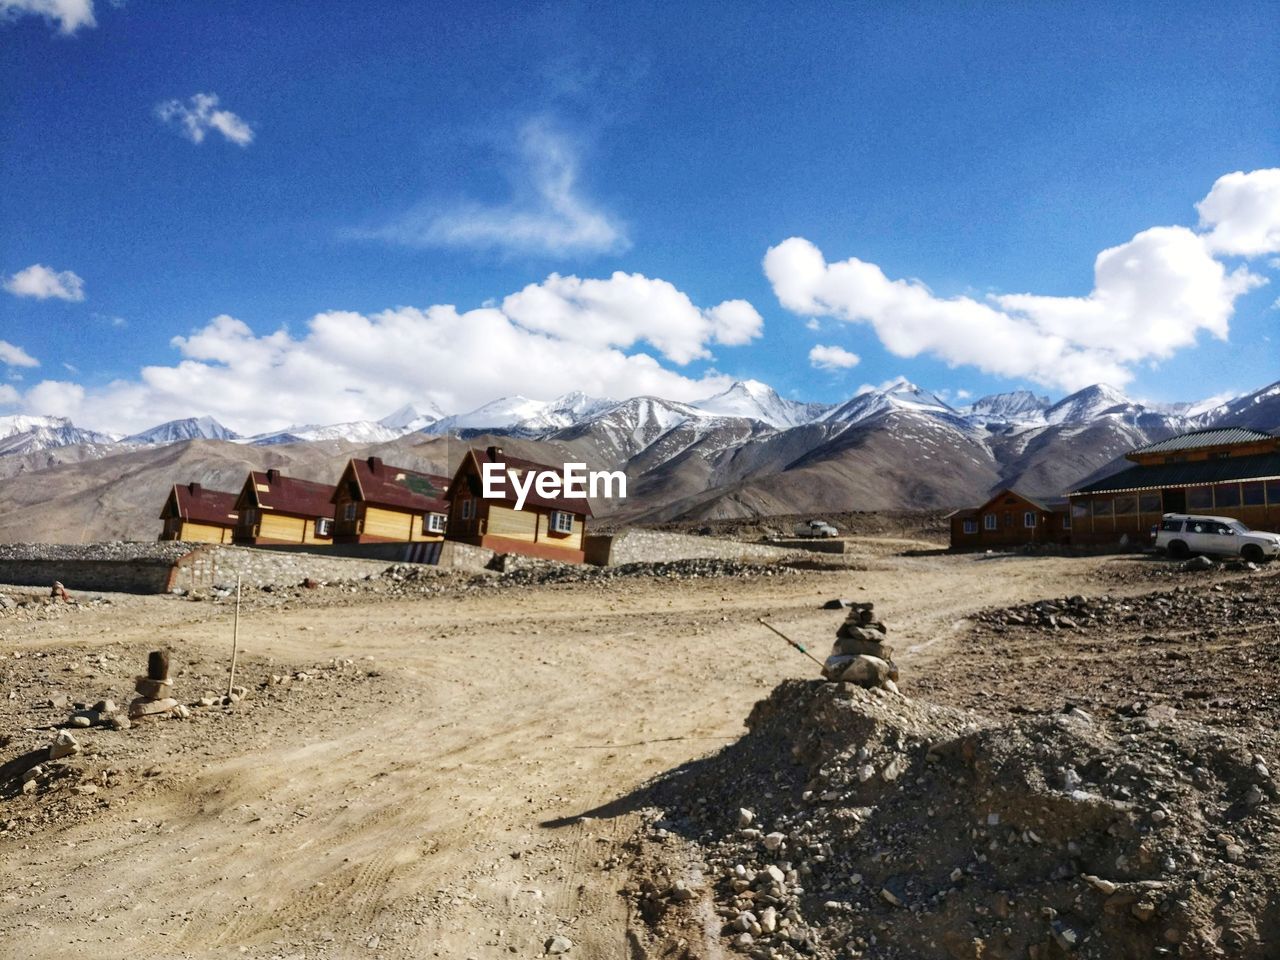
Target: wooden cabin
[
  {"x": 276, "y": 509},
  {"x": 193, "y": 513},
  {"x": 548, "y": 527},
  {"x": 1223, "y": 472},
  {"x": 1009, "y": 519},
  {"x": 378, "y": 503}
]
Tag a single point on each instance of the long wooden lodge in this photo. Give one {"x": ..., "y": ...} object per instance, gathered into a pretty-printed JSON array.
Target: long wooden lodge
[{"x": 1224, "y": 472}]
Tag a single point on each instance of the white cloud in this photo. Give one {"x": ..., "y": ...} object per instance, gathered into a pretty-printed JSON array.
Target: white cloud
[
  {"x": 9, "y": 396},
  {"x": 200, "y": 115},
  {"x": 44, "y": 282},
  {"x": 1242, "y": 213},
  {"x": 547, "y": 215},
  {"x": 627, "y": 308},
  {"x": 14, "y": 356},
  {"x": 55, "y": 398},
  {"x": 832, "y": 358},
  {"x": 1151, "y": 297},
  {"x": 565, "y": 334},
  {"x": 68, "y": 15}
]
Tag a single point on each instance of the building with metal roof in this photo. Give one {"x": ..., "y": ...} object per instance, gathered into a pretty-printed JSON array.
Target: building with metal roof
[
  {"x": 1225, "y": 471},
  {"x": 195, "y": 513}
]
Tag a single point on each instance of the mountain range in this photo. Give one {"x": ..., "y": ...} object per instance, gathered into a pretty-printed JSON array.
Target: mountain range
[{"x": 745, "y": 451}]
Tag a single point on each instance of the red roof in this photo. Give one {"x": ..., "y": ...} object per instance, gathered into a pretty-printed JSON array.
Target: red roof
[
  {"x": 301, "y": 498},
  {"x": 582, "y": 506},
  {"x": 398, "y": 487},
  {"x": 199, "y": 505}
]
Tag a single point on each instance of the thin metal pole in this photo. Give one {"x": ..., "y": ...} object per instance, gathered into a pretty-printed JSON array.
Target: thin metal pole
[
  {"x": 235, "y": 639},
  {"x": 790, "y": 641}
]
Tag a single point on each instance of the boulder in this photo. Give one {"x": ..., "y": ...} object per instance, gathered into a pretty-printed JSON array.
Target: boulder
[
  {"x": 850, "y": 646},
  {"x": 868, "y": 671},
  {"x": 64, "y": 745},
  {"x": 146, "y": 707},
  {"x": 852, "y": 632},
  {"x": 152, "y": 689}
]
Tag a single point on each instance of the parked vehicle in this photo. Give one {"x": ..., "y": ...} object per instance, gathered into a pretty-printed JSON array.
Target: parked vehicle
[
  {"x": 816, "y": 528},
  {"x": 1181, "y": 535}
]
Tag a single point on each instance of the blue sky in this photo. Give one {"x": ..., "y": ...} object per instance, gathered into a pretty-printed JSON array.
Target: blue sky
[{"x": 194, "y": 161}]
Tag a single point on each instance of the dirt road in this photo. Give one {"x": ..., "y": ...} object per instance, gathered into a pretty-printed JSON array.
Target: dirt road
[{"x": 435, "y": 810}]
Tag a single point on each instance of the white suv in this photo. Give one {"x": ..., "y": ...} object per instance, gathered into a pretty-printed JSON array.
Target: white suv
[{"x": 1182, "y": 535}]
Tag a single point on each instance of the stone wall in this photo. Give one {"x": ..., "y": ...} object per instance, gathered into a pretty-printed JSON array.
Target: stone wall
[
  {"x": 811, "y": 544},
  {"x": 652, "y": 546},
  {"x": 113, "y": 567},
  {"x": 214, "y": 564},
  {"x": 157, "y": 567},
  {"x": 452, "y": 555}
]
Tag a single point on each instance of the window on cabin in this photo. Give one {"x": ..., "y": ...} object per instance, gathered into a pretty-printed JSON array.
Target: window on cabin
[
  {"x": 990, "y": 522},
  {"x": 434, "y": 522},
  {"x": 1149, "y": 503},
  {"x": 1253, "y": 494},
  {"x": 1029, "y": 519},
  {"x": 971, "y": 526},
  {"x": 323, "y": 526},
  {"x": 468, "y": 508},
  {"x": 349, "y": 511},
  {"x": 1199, "y": 498},
  {"x": 1080, "y": 509},
  {"x": 561, "y": 521},
  {"x": 1066, "y": 519},
  {"x": 1125, "y": 505},
  {"x": 1102, "y": 507},
  {"x": 1273, "y": 493},
  {"x": 1219, "y": 454},
  {"x": 250, "y": 517},
  {"x": 1226, "y": 495}
]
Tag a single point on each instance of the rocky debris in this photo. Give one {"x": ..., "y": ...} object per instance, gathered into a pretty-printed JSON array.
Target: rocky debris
[
  {"x": 59, "y": 592},
  {"x": 153, "y": 690},
  {"x": 29, "y": 606},
  {"x": 886, "y": 828},
  {"x": 1199, "y": 563},
  {"x": 1214, "y": 608},
  {"x": 860, "y": 654}
]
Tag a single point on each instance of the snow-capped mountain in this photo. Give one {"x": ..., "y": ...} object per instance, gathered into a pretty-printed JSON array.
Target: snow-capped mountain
[
  {"x": 1018, "y": 405},
  {"x": 759, "y": 401},
  {"x": 174, "y": 431},
  {"x": 357, "y": 431},
  {"x": 525, "y": 417},
  {"x": 413, "y": 418},
  {"x": 1259, "y": 410},
  {"x": 31, "y": 434},
  {"x": 1088, "y": 404},
  {"x": 899, "y": 394}
]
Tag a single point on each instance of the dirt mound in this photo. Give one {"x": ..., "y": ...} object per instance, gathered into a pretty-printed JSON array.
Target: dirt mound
[{"x": 854, "y": 822}]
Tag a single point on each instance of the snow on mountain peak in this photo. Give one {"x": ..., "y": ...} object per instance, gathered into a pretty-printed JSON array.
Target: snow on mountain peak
[
  {"x": 413, "y": 417},
  {"x": 756, "y": 401},
  {"x": 1087, "y": 404},
  {"x": 190, "y": 428}
]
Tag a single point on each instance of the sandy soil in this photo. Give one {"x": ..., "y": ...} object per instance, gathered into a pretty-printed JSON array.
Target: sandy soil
[{"x": 427, "y": 802}]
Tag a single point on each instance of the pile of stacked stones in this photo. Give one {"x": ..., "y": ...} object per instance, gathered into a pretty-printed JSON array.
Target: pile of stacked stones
[
  {"x": 153, "y": 690},
  {"x": 860, "y": 654}
]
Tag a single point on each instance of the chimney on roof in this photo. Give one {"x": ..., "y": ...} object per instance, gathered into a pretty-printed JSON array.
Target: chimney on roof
[
  {"x": 194, "y": 489},
  {"x": 375, "y": 463},
  {"x": 273, "y": 475},
  {"x": 494, "y": 453}
]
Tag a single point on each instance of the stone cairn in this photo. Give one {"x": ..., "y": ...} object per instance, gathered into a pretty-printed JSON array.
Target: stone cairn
[
  {"x": 153, "y": 690},
  {"x": 860, "y": 654}
]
